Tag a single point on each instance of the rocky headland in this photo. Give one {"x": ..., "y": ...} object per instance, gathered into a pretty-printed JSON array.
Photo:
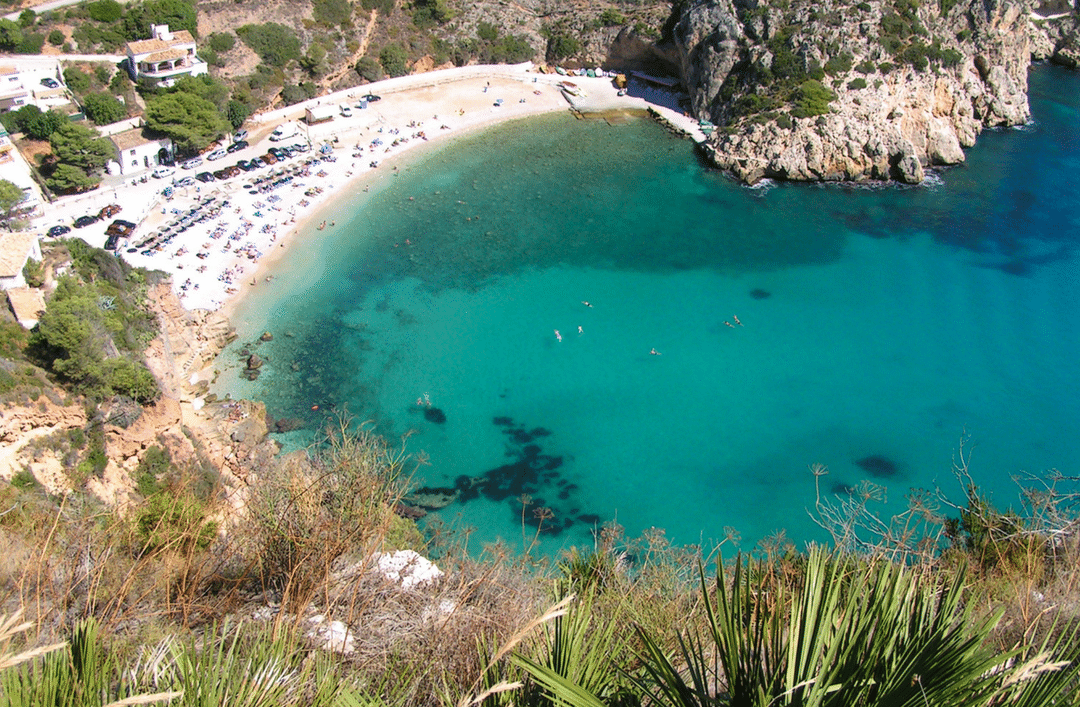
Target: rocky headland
[{"x": 854, "y": 90}]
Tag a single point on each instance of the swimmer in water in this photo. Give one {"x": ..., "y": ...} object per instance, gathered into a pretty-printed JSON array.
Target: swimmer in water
[
  {"x": 736, "y": 318},
  {"x": 558, "y": 335},
  {"x": 654, "y": 352},
  {"x": 579, "y": 330},
  {"x": 729, "y": 324},
  {"x": 585, "y": 303}
]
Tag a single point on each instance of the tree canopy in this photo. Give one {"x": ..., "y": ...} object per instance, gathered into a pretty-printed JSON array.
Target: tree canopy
[
  {"x": 11, "y": 34},
  {"x": 84, "y": 330},
  {"x": 192, "y": 122},
  {"x": 80, "y": 146},
  {"x": 10, "y": 197},
  {"x": 178, "y": 14},
  {"x": 104, "y": 108}
]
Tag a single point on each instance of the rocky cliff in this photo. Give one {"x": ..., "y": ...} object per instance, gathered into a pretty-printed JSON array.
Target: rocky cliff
[{"x": 851, "y": 90}]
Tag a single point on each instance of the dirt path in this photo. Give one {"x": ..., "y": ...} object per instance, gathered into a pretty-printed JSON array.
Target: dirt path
[{"x": 346, "y": 67}]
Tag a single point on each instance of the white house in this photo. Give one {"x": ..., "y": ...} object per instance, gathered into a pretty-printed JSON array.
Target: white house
[
  {"x": 160, "y": 61},
  {"x": 14, "y": 168},
  {"x": 136, "y": 152},
  {"x": 15, "y": 249},
  {"x": 26, "y": 84}
]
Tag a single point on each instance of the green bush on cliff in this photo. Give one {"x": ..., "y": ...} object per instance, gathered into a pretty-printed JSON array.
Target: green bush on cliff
[
  {"x": 811, "y": 99},
  {"x": 95, "y": 327}
]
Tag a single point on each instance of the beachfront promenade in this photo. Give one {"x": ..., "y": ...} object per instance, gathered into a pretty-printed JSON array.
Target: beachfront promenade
[{"x": 214, "y": 238}]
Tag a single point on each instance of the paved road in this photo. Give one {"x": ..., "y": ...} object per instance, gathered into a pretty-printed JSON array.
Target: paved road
[{"x": 45, "y": 7}]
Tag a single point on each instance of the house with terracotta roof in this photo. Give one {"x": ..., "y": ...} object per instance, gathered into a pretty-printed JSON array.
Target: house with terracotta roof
[
  {"x": 27, "y": 304},
  {"x": 136, "y": 152},
  {"x": 15, "y": 249},
  {"x": 164, "y": 58}
]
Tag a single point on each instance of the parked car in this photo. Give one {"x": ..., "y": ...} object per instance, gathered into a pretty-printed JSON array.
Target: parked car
[
  {"x": 57, "y": 231},
  {"x": 269, "y": 158},
  {"x": 109, "y": 211},
  {"x": 346, "y": 111},
  {"x": 222, "y": 174},
  {"x": 205, "y": 177},
  {"x": 216, "y": 155},
  {"x": 120, "y": 227},
  {"x": 245, "y": 165},
  {"x": 277, "y": 152},
  {"x": 112, "y": 242},
  {"x": 300, "y": 146},
  {"x": 185, "y": 182},
  {"x": 50, "y": 83},
  {"x": 163, "y": 171},
  {"x": 192, "y": 163},
  {"x": 236, "y": 146},
  {"x": 240, "y": 135},
  {"x": 257, "y": 163},
  {"x": 371, "y": 98},
  {"x": 84, "y": 221}
]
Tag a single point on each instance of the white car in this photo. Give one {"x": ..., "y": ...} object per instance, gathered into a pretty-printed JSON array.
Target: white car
[
  {"x": 240, "y": 135},
  {"x": 346, "y": 111},
  {"x": 216, "y": 155},
  {"x": 192, "y": 163},
  {"x": 163, "y": 171}
]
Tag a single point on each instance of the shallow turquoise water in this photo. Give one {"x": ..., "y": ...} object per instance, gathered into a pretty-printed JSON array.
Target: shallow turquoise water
[{"x": 875, "y": 323}]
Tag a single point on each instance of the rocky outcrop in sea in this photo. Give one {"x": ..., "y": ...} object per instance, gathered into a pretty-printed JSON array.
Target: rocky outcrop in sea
[{"x": 853, "y": 90}]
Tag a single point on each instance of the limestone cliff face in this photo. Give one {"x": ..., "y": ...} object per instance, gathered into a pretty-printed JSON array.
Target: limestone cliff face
[{"x": 912, "y": 82}]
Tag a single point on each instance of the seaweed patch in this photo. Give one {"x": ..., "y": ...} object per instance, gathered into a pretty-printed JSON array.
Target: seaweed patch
[{"x": 878, "y": 465}]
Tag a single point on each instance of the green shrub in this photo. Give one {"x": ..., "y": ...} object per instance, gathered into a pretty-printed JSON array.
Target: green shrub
[
  {"x": 175, "y": 521},
  {"x": 34, "y": 273},
  {"x": 562, "y": 46},
  {"x": 275, "y": 43},
  {"x": 103, "y": 108},
  {"x": 77, "y": 79},
  {"x": 156, "y": 463},
  {"x": 27, "y": 18},
  {"x": 512, "y": 49},
  {"x": 886, "y": 67},
  {"x": 369, "y": 69},
  {"x": 108, "y": 11},
  {"x": 24, "y": 480},
  {"x": 332, "y": 12},
  {"x": 31, "y": 43},
  {"x": 840, "y": 64},
  {"x": 394, "y": 60},
  {"x": 428, "y": 13},
  {"x": 487, "y": 32},
  {"x": 611, "y": 17},
  {"x": 811, "y": 99},
  {"x": 856, "y": 84},
  {"x": 222, "y": 41},
  {"x": 863, "y": 6},
  {"x": 866, "y": 67}
]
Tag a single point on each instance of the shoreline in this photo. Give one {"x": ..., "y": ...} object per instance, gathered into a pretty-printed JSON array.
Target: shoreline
[{"x": 239, "y": 232}]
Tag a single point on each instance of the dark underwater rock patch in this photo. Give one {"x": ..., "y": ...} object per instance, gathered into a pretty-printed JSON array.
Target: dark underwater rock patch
[
  {"x": 760, "y": 294},
  {"x": 434, "y": 414},
  {"x": 878, "y": 466}
]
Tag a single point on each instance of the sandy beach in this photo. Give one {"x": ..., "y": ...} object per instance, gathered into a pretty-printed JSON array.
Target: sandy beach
[{"x": 218, "y": 239}]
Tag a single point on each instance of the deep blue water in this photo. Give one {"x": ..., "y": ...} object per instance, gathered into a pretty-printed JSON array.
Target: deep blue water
[{"x": 878, "y": 327}]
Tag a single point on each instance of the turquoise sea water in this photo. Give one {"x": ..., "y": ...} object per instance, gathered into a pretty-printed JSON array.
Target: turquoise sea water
[{"x": 878, "y": 327}]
